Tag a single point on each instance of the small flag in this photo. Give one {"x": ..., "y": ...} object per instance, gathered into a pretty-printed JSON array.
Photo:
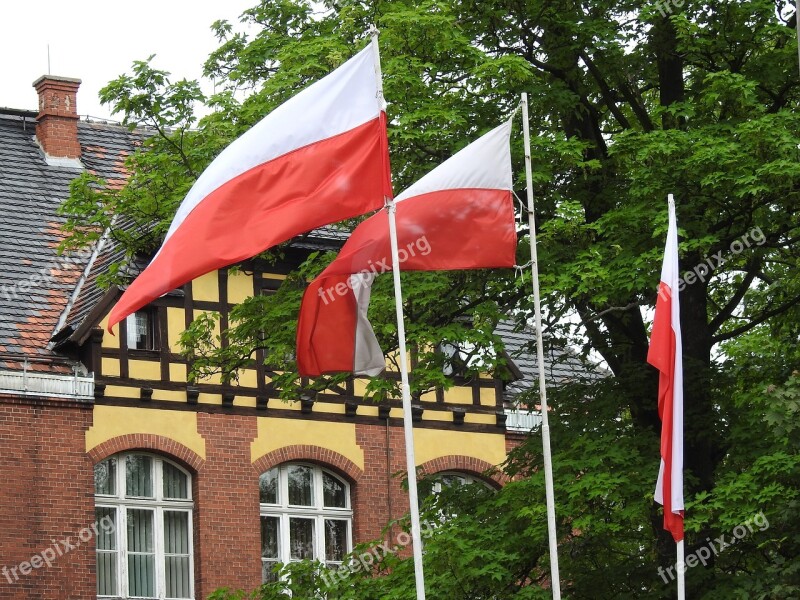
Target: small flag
[
  {"x": 665, "y": 355},
  {"x": 320, "y": 157},
  {"x": 458, "y": 216}
]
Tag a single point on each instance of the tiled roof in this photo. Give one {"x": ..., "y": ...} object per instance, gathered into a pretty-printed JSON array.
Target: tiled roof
[
  {"x": 36, "y": 283},
  {"x": 561, "y": 365}
]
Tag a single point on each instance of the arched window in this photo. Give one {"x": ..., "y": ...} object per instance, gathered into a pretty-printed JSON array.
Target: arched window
[
  {"x": 450, "y": 478},
  {"x": 305, "y": 514},
  {"x": 143, "y": 507}
]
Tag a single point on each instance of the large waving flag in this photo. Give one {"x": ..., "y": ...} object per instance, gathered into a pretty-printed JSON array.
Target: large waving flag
[
  {"x": 320, "y": 157},
  {"x": 458, "y": 216},
  {"x": 665, "y": 355}
]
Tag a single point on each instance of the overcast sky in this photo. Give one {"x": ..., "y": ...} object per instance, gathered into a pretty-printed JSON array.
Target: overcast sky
[{"x": 96, "y": 41}]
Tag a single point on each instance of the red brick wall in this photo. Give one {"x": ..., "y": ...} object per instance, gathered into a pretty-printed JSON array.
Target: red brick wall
[
  {"x": 227, "y": 542},
  {"x": 46, "y": 496}
]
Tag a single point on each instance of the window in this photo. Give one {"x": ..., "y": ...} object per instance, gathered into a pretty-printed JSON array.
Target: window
[
  {"x": 143, "y": 508},
  {"x": 141, "y": 328},
  {"x": 305, "y": 514},
  {"x": 449, "y": 479}
]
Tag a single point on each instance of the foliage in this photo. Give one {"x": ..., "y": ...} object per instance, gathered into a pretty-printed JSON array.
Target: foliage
[{"x": 629, "y": 104}]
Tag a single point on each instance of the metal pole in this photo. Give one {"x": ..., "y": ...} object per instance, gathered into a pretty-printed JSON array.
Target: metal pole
[
  {"x": 411, "y": 463},
  {"x": 548, "y": 465},
  {"x": 681, "y": 568}
]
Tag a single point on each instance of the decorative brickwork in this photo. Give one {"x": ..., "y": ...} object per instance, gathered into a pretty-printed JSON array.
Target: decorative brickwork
[
  {"x": 147, "y": 441},
  {"x": 313, "y": 454},
  {"x": 465, "y": 464}
]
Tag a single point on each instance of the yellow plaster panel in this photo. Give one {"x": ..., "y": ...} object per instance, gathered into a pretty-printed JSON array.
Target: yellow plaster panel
[
  {"x": 122, "y": 391},
  {"x": 435, "y": 443},
  {"x": 114, "y": 421},
  {"x": 248, "y": 378},
  {"x": 273, "y": 276},
  {"x": 396, "y": 413},
  {"x": 176, "y": 323},
  {"x": 437, "y": 415},
  {"x": 488, "y": 397},
  {"x": 204, "y": 398},
  {"x": 214, "y": 379},
  {"x": 428, "y": 397},
  {"x": 368, "y": 411},
  {"x": 274, "y": 434},
  {"x": 240, "y": 287},
  {"x": 325, "y": 407},
  {"x": 109, "y": 341},
  {"x": 458, "y": 395},
  {"x": 177, "y": 372},
  {"x": 246, "y": 401},
  {"x": 480, "y": 418},
  {"x": 171, "y": 395},
  {"x": 144, "y": 369},
  {"x": 110, "y": 366},
  {"x": 206, "y": 287}
]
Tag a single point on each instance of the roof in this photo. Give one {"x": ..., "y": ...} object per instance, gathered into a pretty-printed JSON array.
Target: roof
[
  {"x": 35, "y": 282},
  {"x": 562, "y": 365}
]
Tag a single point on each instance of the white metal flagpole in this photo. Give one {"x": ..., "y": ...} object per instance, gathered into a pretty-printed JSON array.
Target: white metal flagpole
[
  {"x": 548, "y": 463},
  {"x": 681, "y": 568},
  {"x": 416, "y": 536}
]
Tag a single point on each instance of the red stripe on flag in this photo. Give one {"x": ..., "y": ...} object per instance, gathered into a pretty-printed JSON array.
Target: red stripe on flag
[
  {"x": 662, "y": 356},
  {"x": 328, "y": 181}
]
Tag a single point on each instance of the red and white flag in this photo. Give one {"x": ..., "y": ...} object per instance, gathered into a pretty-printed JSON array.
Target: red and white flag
[
  {"x": 665, "y": 354},
  {"x": 319, "y": 158},
  {"x": 458, "y": 216}
]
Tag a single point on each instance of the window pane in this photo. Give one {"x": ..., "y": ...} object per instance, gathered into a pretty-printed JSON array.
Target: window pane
[
  {"x": 300, "y": 491},
  {"x": 140, "y": 530},
  {"x": 301, "y": 539},
  {"x": 267, "y": 574},
  {"x": 106, "y": 527},
  {"x": 268, "y": 487},
  {"x": 176, "y": 574},
  {"x": 139, "y": 476},
  {"x": 269, "y": 537},
  {"x": 335, "y": 539},
  {"x": 106, "y": 551},
  {"x": 334, "y": 492},
  {"x": 176, "y": 483},
  {"x": 176, "y": 532},
  {"x": 107, "y": 573},
  {"x": 141, "y": 575},
  {"x": 105, "y": 477}
]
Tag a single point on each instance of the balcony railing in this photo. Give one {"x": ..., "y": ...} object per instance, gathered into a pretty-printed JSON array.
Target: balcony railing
[
  {"x": 35, "y": 383},
  {"x": 523, "y": 420}
]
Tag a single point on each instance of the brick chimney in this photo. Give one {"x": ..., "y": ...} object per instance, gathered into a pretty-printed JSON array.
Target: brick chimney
[{"x": 57, "y": 123}]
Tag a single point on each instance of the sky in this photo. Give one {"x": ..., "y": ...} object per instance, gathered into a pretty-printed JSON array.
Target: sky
[{"x": 96, "y": 41}]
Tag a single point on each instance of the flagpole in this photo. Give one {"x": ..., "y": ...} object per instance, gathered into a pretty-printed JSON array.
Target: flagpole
[
  {"x": 548, "y": 463},
  {"x": 679, "y": 549},
  {"x": 681, "y": 568},
  {"x": 411, "y": 463}
]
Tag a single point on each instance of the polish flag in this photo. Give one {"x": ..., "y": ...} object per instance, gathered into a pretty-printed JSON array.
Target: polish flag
[
  {"x": 665, "y": 355},
  {"x": 458, "y": 216},
  {"x": 320, "y": 157}
]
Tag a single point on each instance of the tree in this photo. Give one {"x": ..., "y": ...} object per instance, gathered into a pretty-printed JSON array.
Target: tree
[{"x": 631, "y": 102}]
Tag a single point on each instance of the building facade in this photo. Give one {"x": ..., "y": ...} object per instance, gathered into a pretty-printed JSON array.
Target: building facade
[{"x": 121, "y": 478}]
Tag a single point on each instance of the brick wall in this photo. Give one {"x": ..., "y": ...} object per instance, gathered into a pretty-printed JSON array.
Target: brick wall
[
  {"x": 46, "y": 497},
  {"x": 57, "y": 123},
  {"x": 227, "y": 542},
  {"x": 48, "y": 494}
]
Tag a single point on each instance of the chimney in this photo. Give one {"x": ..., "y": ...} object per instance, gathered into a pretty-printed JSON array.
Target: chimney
[{"x": 57, "y": 123}]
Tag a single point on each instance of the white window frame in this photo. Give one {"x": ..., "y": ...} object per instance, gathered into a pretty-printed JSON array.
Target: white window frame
[
  {"x": 317, "y": 512},
  {"x": 158, "y": 504},
  {"x": 464, "y": 479}
]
